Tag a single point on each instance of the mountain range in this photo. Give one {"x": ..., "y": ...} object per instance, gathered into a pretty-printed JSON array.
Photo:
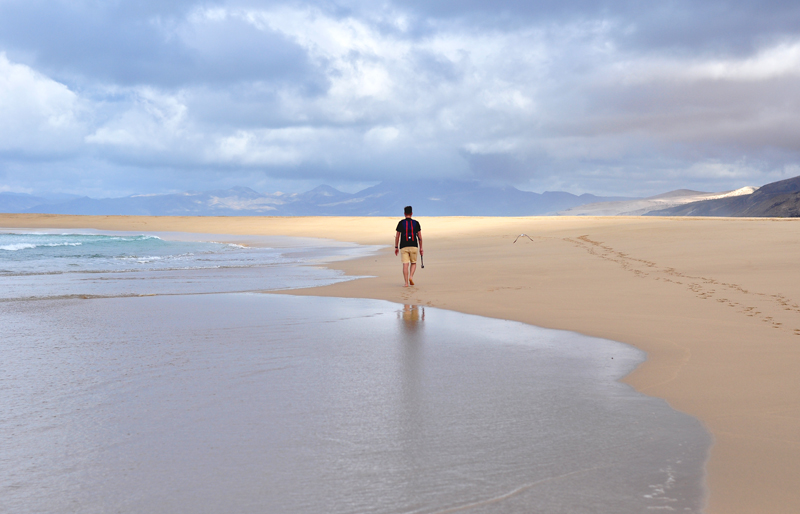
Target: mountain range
[
  {"x": 776, "y": 200},
  {"x": 429, "y": 198},
  {"x": 645, "y": 206}
]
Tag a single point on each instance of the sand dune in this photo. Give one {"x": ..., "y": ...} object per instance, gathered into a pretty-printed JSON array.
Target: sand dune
[
  {"x": 714, "y": 301},
  {"x": 642, "y": 206}
]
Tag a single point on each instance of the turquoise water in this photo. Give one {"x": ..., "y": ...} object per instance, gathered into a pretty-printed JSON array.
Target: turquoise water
[
  {"x": 41, "y": 253},
  {"x": 61, "y": 265}
]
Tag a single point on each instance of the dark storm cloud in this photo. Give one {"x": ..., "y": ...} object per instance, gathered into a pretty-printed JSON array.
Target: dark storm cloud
[
  {"x": 734, "y": 27},
  {"x": 133, "y": 43}
]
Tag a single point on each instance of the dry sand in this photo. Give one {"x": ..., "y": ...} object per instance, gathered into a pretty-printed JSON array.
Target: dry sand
[{"x": 714, "y": 302}]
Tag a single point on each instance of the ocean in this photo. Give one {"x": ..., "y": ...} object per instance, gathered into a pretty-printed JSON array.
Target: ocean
[
  {"x": 151, "y": 373},
  {"x": 91, "y": 263}
]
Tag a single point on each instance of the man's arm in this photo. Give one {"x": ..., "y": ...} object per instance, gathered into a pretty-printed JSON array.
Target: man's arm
[
  {"x": 396, "y": 242},
  {"x": 419, "y": 238}
]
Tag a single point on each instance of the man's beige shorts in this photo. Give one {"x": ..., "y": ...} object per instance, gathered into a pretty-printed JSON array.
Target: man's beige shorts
[{"x": 408, "y": 254}]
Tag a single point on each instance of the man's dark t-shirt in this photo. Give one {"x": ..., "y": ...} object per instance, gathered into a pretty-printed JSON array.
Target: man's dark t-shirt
[{"x": 409, "y": 230}]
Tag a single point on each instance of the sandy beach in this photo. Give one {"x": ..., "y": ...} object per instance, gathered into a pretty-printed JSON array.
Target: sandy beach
[{"x": 714, "y": 302}]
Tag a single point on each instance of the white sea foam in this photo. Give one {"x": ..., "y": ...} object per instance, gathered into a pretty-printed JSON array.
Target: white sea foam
[
  {"x": 142, "y": 237},
  {"x": 26, "y": 246},
  {"x": 144, "y": 258},
  {"x": 17, "y": 247}
]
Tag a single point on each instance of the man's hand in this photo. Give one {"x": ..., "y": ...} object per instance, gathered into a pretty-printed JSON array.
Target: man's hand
[{"x": 396, "y": 251}]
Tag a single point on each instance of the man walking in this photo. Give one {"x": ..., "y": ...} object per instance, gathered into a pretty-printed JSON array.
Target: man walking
[{"x": 409, "y": 238}]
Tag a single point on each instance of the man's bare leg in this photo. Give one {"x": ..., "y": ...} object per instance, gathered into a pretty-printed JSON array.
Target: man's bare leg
[
  {"x": 405, "y": 273},
  {"x": 411, "y": 271}
]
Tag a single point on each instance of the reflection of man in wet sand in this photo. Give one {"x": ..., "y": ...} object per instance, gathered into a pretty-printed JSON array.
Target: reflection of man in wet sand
[
  {"x": 412, "y": 317},
  {"x": 408, "y": 235},
  {"x": 411, "y": 314}
]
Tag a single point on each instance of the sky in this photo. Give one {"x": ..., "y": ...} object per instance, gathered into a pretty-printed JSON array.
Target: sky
[{"x": 619, "y": 97}]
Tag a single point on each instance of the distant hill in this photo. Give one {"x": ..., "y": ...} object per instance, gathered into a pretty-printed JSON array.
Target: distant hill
[
  {"x": 239, "y": 201},
  {"x": 642, "y": 206},
  {"x": 445, "y": 198},
  {"x": 429, "y": 198},
  {"x": 19, "y": 202},
  {"x": 778, "y": 199}
]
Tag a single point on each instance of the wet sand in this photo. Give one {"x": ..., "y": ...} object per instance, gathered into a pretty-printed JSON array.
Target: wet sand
[
  {"x": 714, "y": 302},
  {"x": 264, "y": 403}
]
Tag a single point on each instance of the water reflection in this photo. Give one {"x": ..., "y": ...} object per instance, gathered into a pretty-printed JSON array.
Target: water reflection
[
  {"x": 412, "y": 408},
  {"x": 411, "y": 346},
  {"x": 411, "y": 317}
]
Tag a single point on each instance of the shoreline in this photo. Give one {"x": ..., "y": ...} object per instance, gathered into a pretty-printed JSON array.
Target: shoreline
[
  {"x": 302, "y": 404},
  {"x": 714, "y": 302}
]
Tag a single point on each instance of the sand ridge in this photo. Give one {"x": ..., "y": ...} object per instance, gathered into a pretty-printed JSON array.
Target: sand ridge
[{"x": 715, "y": 302}]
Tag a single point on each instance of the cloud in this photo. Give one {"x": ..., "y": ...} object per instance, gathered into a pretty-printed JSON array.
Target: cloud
[
  {"x": 151, "y": 122},
  {"x": 610, "y": 98},
  {"x": 159, "y": 45},
  {"x": 39, "y": 116},
  {"x": 679, "y": 26}
]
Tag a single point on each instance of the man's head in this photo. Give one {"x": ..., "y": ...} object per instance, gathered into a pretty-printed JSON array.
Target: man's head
[{"x": 407, "y": 210}]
